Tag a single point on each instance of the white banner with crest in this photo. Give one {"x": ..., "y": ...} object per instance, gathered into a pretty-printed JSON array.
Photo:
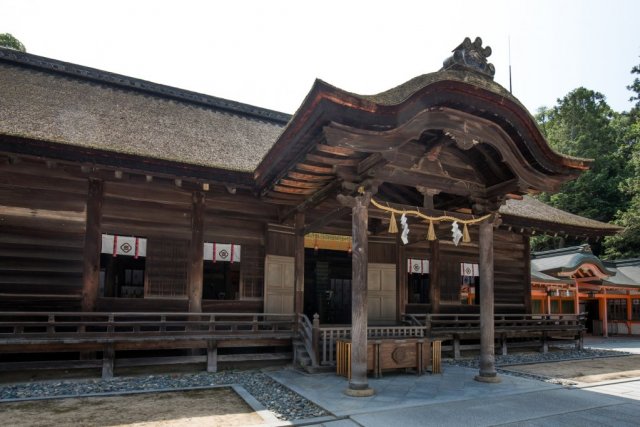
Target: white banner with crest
[
  {"x": 418, "y": 266},
  {"x": 225, "y": 252},
  {"x": 124, "y": 245},
  {"x": 469, "y": 270}
]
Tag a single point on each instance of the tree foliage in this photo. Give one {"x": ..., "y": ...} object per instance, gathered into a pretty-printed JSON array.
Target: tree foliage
[
  {"x": 583, "y": 125},
  {"x": 7, "y": 40},
  {"x": 627, "y": 243}
]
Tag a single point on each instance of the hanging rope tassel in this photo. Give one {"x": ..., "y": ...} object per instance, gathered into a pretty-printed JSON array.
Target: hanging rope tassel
[
  {"x": 431, "y": 234},
  {"x": 465, "y": 235},
  {"x": 393, "y": 226}
]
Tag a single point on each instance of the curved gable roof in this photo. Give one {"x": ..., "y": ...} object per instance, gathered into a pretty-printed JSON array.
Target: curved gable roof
[
  {"x": 567, "y": 260},
  {"x": 466, "y": 96}
]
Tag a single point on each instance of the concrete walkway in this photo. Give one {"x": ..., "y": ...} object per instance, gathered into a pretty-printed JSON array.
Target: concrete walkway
[{"x": 455, "y": 399}]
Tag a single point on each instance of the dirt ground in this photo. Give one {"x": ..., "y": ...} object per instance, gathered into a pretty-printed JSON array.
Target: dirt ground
[
  {"x": 586, "y": 371},
  {"x": 214, "y": 407}
]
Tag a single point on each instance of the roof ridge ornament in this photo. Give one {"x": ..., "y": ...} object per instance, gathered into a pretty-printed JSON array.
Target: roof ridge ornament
[{"x": 471, "y": 57}]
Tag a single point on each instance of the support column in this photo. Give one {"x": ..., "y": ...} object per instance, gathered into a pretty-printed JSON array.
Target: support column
[
  {"x": 358, "y": 384},
  {"x": 434, "y": 276},
  {"x": 605, "y": 317},
  {"x": 92, "y": 246},
  {"x": 196, "y": 253},
  {"x": 298, "y": 293},
  {"x": 527, "y": 275},
  {"x": 576, "y": 300},
  {"x": 487, "y": 344},
  {"x": 401, "y": 279}
]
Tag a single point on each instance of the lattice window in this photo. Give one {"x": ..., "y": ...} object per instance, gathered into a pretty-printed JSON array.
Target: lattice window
[
  {"x": 167, "y": 267},
  {"x": 617, "y": 309},
  {"x": 252, "y": 268}
]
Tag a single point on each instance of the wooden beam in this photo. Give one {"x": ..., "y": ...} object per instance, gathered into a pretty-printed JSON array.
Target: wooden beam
[
  {"x": 327, "y": 219},
  {"x": 92, "y": 246},
  {"x": 300, "y": 184},
  {"x": 309, "y": 177},
  {"x": 298, "y": 301},
  {"x": 332, "y": 160},
  {"x": 292, "y": 190},
  {"x": 437, "y": 182},
  {"x": 315, "y": 169},
  {"x": 196, "y": 253},
  {"x": 338, "y": 151},
  {"x": 312, "y": 201}
]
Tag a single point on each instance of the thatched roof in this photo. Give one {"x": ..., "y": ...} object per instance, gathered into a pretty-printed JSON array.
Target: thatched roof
[{"x": 48, "y": 100}]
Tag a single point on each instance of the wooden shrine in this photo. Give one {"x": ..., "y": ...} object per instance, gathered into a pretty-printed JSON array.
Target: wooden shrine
[{"x": 123, "y": 196}]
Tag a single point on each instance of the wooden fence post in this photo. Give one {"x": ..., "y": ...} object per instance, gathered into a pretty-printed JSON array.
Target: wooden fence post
[{"x": 315, "y": 337}]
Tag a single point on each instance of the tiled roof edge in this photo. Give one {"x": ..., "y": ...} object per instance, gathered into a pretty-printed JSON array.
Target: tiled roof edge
[
  {"x": 100, "y": 76},
  {"x": 562, "y": 251}
]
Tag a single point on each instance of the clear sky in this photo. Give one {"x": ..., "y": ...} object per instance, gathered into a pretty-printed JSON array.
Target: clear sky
[{"x": 268, "y": 52}]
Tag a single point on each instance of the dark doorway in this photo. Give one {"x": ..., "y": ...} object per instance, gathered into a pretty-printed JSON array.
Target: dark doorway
[
  {"x": 327, "y": 285},
  {"x": 221, "y": 281},
  {"x": 122, "y": 276},
  {"x": 592, "y": 310},
  {"x": 418, "y": 288}
]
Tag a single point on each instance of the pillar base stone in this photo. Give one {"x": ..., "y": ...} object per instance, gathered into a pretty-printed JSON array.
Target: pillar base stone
[
  {"x": 365, "y": 392},
  {"x": 488, "y": 379}
]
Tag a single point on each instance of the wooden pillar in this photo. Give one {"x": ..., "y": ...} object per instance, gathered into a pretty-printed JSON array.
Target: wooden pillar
[
  {"x": 527, "y": 275},
  {"x": 212, "y": 356},
  {"x": 576, "y": 300},
  {"x": 548, "y": 301},
  {"x": 487, "y": 344},
  {"x": 401, "y": 279},
  {"x": 605, "y": 317},
  {"x": 434, "y": 276},
  {"x": 298, "y": 298},
  {"x": 196, "y": 253},
  {"x": 108, "y": 356},
  {"x": 92, "y": 246},
  {"x": 358, "y": 384}
]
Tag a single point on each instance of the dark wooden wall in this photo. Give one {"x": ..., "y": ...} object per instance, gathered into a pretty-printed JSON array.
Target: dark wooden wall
[
  {"x": 510, "y": 271},
  {"x": 41, "y": 238},
  {"x": 42, "y": 220}
]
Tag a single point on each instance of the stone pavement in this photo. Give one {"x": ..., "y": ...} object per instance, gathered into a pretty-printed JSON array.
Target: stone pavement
[
  {"x": 455, "y": 399},
  {"x": 630, "y": 344}
]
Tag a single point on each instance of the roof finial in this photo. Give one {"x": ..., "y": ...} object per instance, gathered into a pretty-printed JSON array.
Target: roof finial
[{"x": 471, "y": 56}]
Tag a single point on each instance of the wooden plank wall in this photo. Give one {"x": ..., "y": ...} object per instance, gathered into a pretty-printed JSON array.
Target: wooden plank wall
[
  {"x": 41, "y": 238},
  {"x": 509, "y": 268},
  {"x": 42, "y": 219}
]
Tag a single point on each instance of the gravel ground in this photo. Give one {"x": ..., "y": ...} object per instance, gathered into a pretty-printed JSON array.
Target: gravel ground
[
  {"x": 535, "y": 357},
  {"x": 284, "y": 403}
]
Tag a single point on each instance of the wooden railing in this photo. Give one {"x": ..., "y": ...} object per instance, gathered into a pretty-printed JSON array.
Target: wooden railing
[
  {"x": 63, "y": 325},
  {"x": 308, "y": 333},
  {"x": 330, "y": 335},
  {"x": 459, "y": 323}
]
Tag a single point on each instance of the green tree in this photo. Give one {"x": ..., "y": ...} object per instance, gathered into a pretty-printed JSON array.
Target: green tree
[
  {"x": 583, "y": 125},
  {"x": 635, "y": 87},
  {"x": 7, "y": 40},
  {"x": 627, "y": 243}
]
